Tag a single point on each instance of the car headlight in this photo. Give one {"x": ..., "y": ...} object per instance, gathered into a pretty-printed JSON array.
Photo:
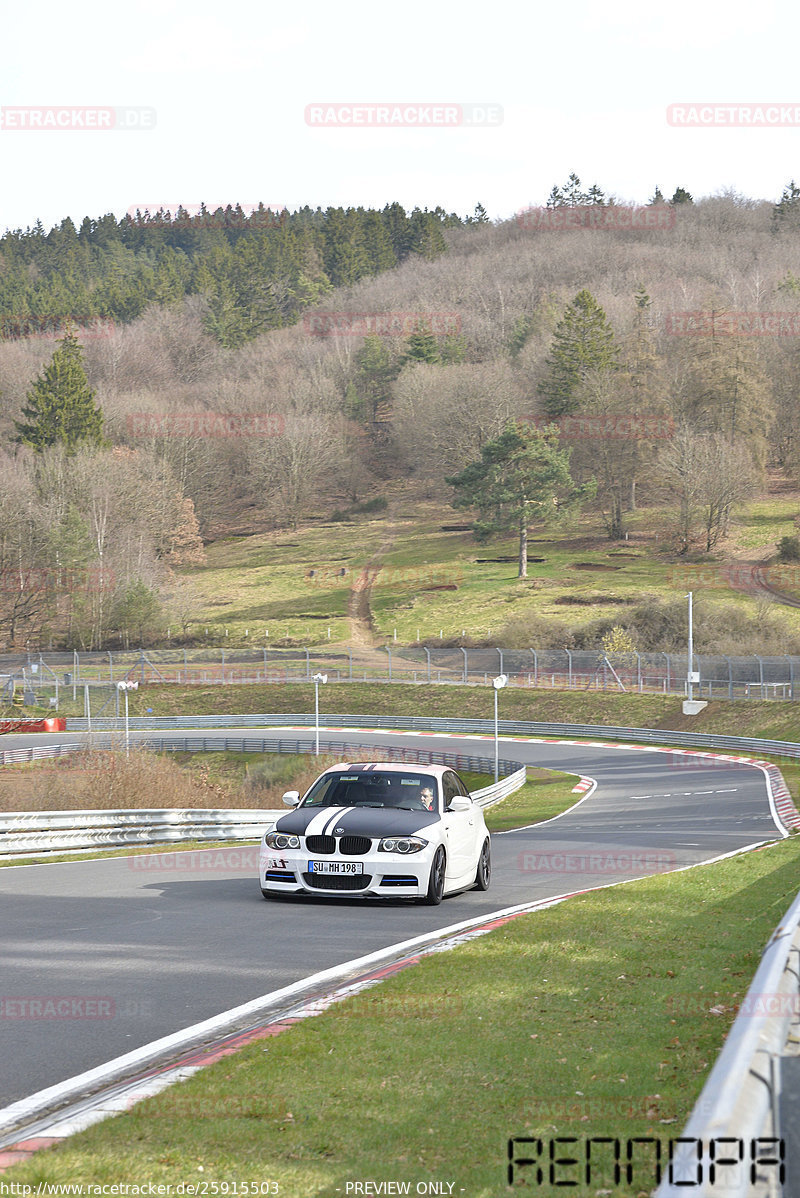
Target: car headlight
[
  {"x": 402, "y": 844},
  {"x": 281, "y": 840}
]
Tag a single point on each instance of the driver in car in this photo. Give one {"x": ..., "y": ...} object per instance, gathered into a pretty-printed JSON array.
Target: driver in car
[{"x": 426, "y": 794}]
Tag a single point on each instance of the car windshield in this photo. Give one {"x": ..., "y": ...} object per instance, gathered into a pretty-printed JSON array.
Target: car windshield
[{"x": 405, "y": 791}]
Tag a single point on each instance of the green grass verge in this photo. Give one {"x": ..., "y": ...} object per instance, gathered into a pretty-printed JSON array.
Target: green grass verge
[{"x": 599, "y": 1017}]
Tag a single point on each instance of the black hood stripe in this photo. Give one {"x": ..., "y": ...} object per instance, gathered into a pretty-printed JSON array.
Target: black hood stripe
[{"x": 373, "y": 822}]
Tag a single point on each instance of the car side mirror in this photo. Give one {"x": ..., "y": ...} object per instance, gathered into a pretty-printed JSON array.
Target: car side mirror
[
  {"x": 459, "y": 803},
  {"x": 291, "y": 798}
]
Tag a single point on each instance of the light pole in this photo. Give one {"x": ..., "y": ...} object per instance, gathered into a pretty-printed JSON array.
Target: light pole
[
  {"x": 127, "y": 686},
  {"x": 498, "y": 683},
  {"x": 317, "y": 679},
  {"x": 690, "y": 652}
]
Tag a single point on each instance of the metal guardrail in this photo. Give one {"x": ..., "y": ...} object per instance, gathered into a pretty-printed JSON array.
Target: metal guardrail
[
  {"x": 489, "y": 795},
  {"x": 739, "y": 1102},
  {"x": 23, "y": 833},
  {"x": 64, "y": 831},
  {"x": 654, "y": 736}
]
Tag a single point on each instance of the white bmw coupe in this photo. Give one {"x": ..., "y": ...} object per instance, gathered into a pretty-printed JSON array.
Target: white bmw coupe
[{"x": 380, "y": 829}]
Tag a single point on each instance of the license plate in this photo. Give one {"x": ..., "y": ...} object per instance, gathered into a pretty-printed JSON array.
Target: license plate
[{"x": 335, "y": 867}]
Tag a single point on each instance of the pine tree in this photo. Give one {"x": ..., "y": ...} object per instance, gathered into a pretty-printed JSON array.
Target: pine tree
[
  {"x": 522, "y": 476},
  {"x": 681, "y": 196},
  {"x": 583, "y": 344},
  {"x": 787, "y": 210},
  {"x": 376, "y": 370},
  {"x": 61, "y": 408},
  {"x": 422, "y": 346}
]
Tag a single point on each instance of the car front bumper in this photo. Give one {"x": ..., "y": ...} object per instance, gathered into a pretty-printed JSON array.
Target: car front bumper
[{"x": 399, "y": 875}]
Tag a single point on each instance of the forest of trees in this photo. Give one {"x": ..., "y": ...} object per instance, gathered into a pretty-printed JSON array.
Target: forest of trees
[{"x": 253, "y": 371}]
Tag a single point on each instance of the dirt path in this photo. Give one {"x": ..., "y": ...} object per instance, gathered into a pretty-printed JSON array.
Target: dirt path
[
  {"x": 359, "y": 612},
  {"x": 758, "y": 574}
]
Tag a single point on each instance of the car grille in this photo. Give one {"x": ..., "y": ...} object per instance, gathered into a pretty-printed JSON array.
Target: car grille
[
  {"x": 354, "y": 846},
  {"x": 338, "y": 882},
  {"x": 279, "y": 875},
  {"x": 321, "y": 844},
  {"x": 400, "y": 881},
  {"x": 350, "y": 846}
]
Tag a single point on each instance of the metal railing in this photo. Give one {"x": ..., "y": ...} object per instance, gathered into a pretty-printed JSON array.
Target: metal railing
[
  {"x": 654, "y": 736},
  {"x": 23, "y": 833},
  {"x": 721, "y": 676},
  {"x": 739, "y": 1104}
]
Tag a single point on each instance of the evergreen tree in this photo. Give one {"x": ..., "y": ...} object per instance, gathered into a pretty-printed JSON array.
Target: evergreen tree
[
  {"x": 657, "y": 197},
  {"x": 422, "y": 346},
  {"x": 572, "y": 195},
  {"x": 61, "y": 408},
  {"x": 787, "y": 211},
  {"x": 681, "y": 196},
  {"x": 583, "y": 344},
  {"x": 375, "y": 372},
  {"x": 522, "y": 476}
]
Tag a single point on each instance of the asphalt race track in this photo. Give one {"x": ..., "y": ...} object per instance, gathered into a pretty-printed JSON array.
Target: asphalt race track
[{"x": 152, "y": 947}]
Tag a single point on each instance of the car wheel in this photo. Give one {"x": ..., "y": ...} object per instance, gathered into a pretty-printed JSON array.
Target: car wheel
[
  {"x": 436, "y": 881},
  {"x": 484, "y": 874}
]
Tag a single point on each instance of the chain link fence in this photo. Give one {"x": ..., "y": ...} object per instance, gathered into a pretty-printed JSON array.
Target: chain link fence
[{"x": 717, "y": 677}]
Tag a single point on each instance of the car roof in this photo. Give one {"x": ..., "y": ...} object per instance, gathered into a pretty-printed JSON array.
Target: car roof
[{"x": 389, "y": 766}]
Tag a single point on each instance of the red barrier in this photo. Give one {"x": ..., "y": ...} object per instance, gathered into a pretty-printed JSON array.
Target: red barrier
[{"x": 51, "y": 724}]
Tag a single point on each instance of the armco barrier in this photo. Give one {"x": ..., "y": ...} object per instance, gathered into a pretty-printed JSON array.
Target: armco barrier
[
  {"x": 23, "y": 832},
  {"x": 652, "y": 736},
  {"x": 64, "y": 831},
  {"x": 740, "y": 1105}
]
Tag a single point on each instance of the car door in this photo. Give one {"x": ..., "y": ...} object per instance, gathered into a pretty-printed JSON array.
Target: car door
[{"x": 459, "y": 829}]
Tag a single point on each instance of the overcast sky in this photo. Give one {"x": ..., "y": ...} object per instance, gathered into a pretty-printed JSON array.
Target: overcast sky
[{"x": 582, "y": 87}]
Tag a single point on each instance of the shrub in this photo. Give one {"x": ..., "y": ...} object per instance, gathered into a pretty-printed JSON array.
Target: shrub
[{"x": 789, "y": 549}]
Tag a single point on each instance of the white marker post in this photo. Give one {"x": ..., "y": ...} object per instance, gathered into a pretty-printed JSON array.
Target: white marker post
[
  {"x": 317, "y": 679},
  {"x": 498, "y": 683}
]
